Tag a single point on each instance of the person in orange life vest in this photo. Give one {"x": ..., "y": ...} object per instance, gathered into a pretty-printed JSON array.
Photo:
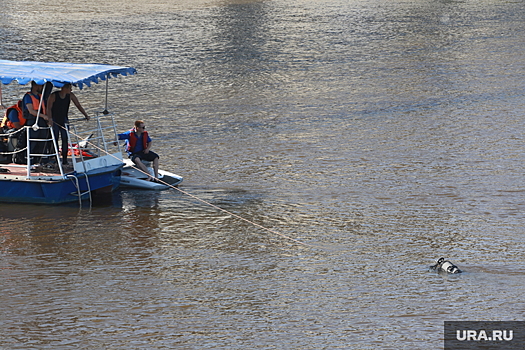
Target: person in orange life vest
[
  {"x": 31, "y": 104},
  {"x": 14, "y": 117},
  {"x": 58, "y": 109},
  {"x": 138, "y": 145}
]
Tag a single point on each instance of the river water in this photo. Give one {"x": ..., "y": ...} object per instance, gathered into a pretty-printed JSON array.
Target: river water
[{"x": 382, "y": 134}]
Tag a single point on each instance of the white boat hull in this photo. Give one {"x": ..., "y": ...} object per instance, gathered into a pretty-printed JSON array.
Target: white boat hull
[{"x": 134, "y": 178}]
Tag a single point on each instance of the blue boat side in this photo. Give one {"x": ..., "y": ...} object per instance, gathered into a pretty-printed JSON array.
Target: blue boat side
[{"x": 57, "y": 191}]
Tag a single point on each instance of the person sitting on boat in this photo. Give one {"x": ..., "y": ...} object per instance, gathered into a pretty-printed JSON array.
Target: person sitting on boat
[
  {"x": 12, "y": 122},
  {"x": 34, "y": 106},
  {"x": 14, "y": 117},
  {"x": 138, "y": 145},
  {"x": 58, "y": 109}
]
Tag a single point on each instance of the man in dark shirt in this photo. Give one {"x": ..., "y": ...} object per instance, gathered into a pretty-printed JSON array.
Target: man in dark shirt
[{"x": 58, "y": 109}]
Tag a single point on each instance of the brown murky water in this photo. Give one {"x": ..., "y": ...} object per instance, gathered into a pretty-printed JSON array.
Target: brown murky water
[{"x": 386, "y": 134}]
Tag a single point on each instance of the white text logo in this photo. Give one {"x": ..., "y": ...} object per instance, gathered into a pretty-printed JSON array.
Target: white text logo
[{"x": 496, "y": 335}]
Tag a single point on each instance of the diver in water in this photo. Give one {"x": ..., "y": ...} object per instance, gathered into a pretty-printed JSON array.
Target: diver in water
[{"x": 443, "y": 265}]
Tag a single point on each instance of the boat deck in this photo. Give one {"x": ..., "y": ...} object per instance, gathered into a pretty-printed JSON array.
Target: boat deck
[{"x": 12, "y": 170}]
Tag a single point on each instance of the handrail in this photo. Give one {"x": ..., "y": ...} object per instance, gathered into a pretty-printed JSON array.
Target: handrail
[
  {"x": 27, "y": 148},
  {"x": 76, "y": 183},
  {"x": 41, "y": 155},
  {"x": 102, "y": 135}
]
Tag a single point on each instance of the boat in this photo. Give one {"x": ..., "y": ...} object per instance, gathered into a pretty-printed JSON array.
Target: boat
[{"x": 54, "y": 183}]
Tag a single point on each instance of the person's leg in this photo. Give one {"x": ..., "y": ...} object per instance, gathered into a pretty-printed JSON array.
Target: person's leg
[
  {"x": 56, "y": 133},
  {"x": 153, "y": 157},
  {"x": 138, "y": 162},
  {"x": 65, "y": 148},
  {"x": 156, "y": 167}
]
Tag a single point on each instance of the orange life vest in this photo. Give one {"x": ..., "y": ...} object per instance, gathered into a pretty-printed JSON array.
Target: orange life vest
[
  {"x": 21, "y": 119},
  {"x": 133, "y": 140},
  {"x": 36, "y": 102}
]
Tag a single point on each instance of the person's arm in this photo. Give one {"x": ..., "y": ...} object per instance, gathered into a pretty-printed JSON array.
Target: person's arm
[
  {"x": 148, "y": 145},
  {"x": 79, "y": 106},
  {"x": 13, "y": 117},
  {"x": 124, "y": 136}
]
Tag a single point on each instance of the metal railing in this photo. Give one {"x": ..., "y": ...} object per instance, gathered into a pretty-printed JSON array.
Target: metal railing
[
  {"x": 99, "y": 135},
  {"x": 46, "y": 150},
  {"x": 86, "y": 139}
]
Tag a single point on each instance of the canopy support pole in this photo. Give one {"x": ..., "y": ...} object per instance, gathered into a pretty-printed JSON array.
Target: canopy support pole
[
  {"x": 35, "y": 127},
  {"x": 1, "y": 101},
  {"x": 107, "y": 88}
]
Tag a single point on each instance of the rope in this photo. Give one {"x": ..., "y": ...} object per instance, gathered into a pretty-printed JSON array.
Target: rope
[
  {"x": 15, "y": 152},
  {"x": 8, "y": 135},
  {"x": 232, "y": 214},
  {"x": 12, "y": 133},
  {"x": 25, "y": 148},
  {"x": 202, "y": 200}
]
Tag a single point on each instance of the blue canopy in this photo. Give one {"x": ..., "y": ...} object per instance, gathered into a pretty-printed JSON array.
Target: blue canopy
[{"x": 58, "y": 73}]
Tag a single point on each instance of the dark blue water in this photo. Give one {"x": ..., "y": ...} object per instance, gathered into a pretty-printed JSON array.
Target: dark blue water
[{"x": 385, "y": 134}]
